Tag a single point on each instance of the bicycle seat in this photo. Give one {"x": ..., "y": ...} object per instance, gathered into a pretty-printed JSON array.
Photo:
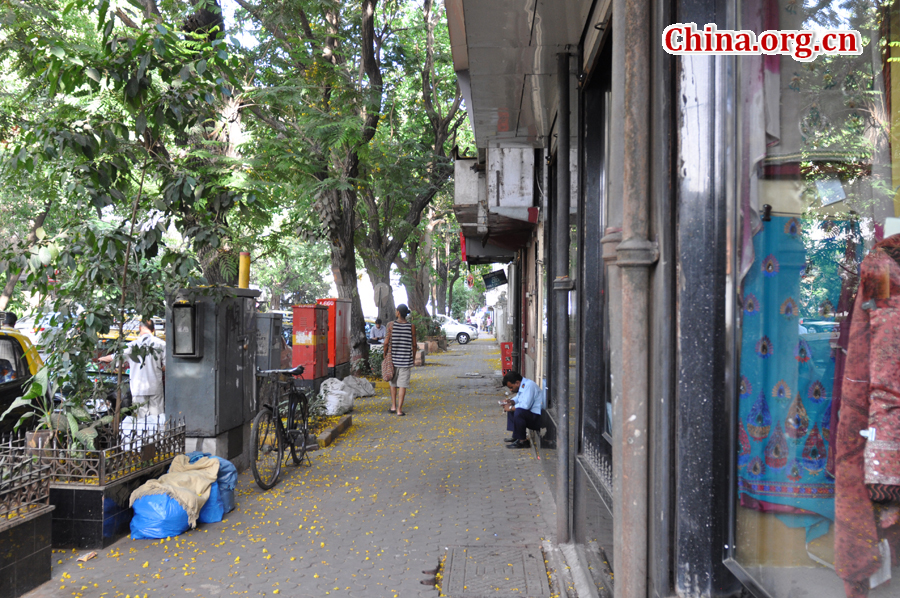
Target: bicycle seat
[{"x": 296, "y": 371}]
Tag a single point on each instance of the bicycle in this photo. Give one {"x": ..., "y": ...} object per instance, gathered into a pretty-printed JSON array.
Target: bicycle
[{"x": 278, "y": 399}]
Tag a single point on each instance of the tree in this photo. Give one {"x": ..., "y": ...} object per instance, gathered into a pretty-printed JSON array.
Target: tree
[
  {"x": 317, "y": 106},
  {"x": 113, "y": 110},
  {"x": 447, "y": 260},
  {"x": 409, "y": 163},
  {"x": 466, "y": 299},
  {"x": 295, "y": 274}
]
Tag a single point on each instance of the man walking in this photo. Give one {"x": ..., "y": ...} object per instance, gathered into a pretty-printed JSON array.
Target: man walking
[
  {"x": 523, "y": 411},
  {"x": 146, "y": 357}
]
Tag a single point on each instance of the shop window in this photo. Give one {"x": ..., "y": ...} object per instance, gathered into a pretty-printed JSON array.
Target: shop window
[
  {"x": 595, "y": 422},
  {"x": 817, "y": 503}
]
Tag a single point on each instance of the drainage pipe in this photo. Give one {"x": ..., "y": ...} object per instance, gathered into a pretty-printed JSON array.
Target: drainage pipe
[
  {"x": 635, "y": 256},
  {"x": 561, "y": 287}
]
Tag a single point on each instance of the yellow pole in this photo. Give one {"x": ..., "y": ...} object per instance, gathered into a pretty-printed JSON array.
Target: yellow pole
[{"x": 244, "y": 271}]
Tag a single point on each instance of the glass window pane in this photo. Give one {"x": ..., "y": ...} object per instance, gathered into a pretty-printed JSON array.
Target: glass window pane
[
  {"x": 819, "y": 504},
  {"x": 183, "y": 323}
]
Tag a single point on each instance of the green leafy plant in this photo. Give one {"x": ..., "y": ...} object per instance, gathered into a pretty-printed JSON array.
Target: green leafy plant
[
  {"x": 69, "y": 418},
  {"x": 38, "y": 399},
  {"x": 375, "y": 360},
  {"x": 317, "y": 409},
  {"x": 425, "y": 326},
  {"x": 360, "y": 366}
]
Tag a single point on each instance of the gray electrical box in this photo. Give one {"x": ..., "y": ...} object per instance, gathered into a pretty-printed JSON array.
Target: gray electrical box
[
  {"x": 210, "y": 381},
  {"x": 268, "y": 341}
]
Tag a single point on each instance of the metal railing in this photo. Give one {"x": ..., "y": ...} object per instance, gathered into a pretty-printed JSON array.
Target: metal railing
[
  {"x": 24, "y": 486},
  {"x": 141, "y": 444}
]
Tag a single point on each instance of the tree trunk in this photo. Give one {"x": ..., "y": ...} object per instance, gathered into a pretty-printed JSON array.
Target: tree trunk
[
  {"x": 412, "y": 277},
  {"x": 219, "y": 266},
  {"x": 440, "y": 286},
  {"x": 451, "y": 282},
  {"x": 418, "y": 297},
  {"x": 380, "y": 273},
  {"x": 13, "y": 279},
  {"x": 343, "y": 266}
]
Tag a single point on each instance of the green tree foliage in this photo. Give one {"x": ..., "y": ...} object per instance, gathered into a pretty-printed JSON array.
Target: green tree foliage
[
  {"x": 409, "y": 164},
  {"x": 356, "y": 108},
  {"x": 317, "y": 100},
  {"x": 467, "y": 299},
  {"x": 141, "y": 147},
  {"x": 115, "y": 110},
  {"x": 294, "y": 275}
]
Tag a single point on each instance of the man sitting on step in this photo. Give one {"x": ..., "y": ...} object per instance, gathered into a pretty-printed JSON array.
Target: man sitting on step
[{"x": 523, "y": 411}]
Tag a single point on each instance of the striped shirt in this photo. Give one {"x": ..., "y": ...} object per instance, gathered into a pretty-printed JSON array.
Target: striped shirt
[{"x": 402, "y": 345}]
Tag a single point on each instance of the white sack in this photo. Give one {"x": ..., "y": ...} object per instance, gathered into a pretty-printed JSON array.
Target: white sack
[
  {"x": 337, "y": 400},
  {"x": 359, "y": 386}
]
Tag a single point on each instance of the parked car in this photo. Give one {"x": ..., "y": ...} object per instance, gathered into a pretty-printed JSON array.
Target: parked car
[
  {"x": 19, "y": 361},
  {"x": 34, "y": 328},
  {"x": 814, "y": 326},
  {"x": 463, "y": 333}
]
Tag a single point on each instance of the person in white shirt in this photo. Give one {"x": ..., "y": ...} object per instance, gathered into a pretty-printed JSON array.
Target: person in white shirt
[
  {"x": 378, "y": 333},
  {"x": 146, "y": 357}
]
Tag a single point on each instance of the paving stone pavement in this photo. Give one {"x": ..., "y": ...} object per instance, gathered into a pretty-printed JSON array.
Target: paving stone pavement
[{"x": 375, "y": 509}]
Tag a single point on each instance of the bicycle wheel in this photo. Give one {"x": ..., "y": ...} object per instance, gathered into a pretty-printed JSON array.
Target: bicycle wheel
[
  {"x": 267, "y": 449},
  {"x": 298, "y": 428}
]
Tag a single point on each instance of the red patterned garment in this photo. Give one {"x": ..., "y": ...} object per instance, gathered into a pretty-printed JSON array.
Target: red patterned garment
[{"x": 870, "y": 399}]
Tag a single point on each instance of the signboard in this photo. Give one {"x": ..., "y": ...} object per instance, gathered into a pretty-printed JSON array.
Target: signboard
[{"x": 494, "y": 279}]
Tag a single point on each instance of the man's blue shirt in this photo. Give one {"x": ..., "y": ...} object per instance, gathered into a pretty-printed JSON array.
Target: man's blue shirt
[{"x": 528, "y": 397}]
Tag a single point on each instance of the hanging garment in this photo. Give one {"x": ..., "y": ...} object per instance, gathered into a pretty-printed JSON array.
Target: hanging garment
[
  {"x": 871, "y": 400},
  {"x": 786, "y": 382}
]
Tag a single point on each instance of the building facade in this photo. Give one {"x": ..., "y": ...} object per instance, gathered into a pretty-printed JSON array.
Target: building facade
[{"x": 704, "y": 272}]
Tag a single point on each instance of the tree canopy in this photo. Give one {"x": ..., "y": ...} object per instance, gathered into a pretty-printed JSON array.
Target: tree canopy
[{"x": 144, "y": 144}]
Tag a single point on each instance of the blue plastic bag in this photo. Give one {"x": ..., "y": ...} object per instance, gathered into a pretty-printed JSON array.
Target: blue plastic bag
[
  {"x": 158, "y": 516},
  {"x": 226, "y": 480},
  {"x": 213, "y": 509},
  {"x": 227, "y": 499},
  {"x": 227, "y": 471}
]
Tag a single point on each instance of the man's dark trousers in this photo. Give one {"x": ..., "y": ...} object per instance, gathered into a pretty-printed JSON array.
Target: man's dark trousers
[{"x": 521, "y": 419}]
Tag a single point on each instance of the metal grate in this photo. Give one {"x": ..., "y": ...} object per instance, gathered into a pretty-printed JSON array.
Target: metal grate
[
  {"x": 140, "y": 445},
  {"x": 496, "y": 571},
  {"x": 24, "y": 486}
]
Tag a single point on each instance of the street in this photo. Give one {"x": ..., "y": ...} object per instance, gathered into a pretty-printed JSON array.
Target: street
[{"x": 377, "y": 509}]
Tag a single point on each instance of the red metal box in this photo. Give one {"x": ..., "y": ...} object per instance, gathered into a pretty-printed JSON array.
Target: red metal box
[
  {"x": 338, "y": 330},
  {"x": 310, "y": 340}
]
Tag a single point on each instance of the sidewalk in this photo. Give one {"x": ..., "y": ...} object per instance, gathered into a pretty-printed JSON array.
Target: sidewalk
[{"x": 376, "y": 509}]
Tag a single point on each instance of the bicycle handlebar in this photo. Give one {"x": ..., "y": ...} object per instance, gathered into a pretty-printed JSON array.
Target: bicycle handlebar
[{"x": 296, "y": 371}]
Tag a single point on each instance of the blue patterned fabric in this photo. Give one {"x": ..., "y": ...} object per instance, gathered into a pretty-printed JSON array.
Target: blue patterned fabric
[{"x": 787, "y": 376}]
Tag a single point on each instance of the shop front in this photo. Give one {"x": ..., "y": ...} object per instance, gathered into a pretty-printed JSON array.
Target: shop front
[
  {"x": 815, "y": 354},
  {"x": 704, "y": 257}
]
